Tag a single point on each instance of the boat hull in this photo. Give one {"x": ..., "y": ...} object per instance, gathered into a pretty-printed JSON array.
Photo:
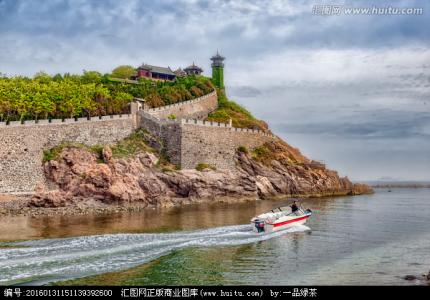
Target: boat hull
[{"x": 280, "y": 224}]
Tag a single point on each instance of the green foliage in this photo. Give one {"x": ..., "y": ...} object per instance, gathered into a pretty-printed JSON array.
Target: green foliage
[
  {"x": 97, "y": 149},
  {"x": 130, "y": 146},
  {"x": 242, "y": 149},
  {"x": 171, "y": 117},
  {"x": 168, "y": 167},
  {"x": 133, "y": 144},
  {"x": 218, "y": 77},
  {"x": 229, "y": 110},
  {"x": 53, "y": 153},
  {"x": 126, "y": 147},
  {"x": 226, "y": 105},
  {"x": 91, "y": 77},
  {"x": 90, "y": 94},
  {"x": 202, "y": 166},
  {"x": 42, "y": 77},
  {"x": 124, "y": 72},
  {"x": 196, "y": 92},
  {"x": 260, "y": 152},
  {"x": 48, "y": 155}
]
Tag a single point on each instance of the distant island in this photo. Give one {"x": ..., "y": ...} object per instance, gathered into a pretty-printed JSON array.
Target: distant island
[{"x": 399, "y": 184}]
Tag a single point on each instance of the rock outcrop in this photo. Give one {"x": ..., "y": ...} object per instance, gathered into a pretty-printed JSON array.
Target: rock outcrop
[{"x": 83, "y": 175}]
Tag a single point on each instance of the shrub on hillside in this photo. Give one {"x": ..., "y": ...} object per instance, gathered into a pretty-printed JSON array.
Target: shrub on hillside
[
  {"x": 203, "y": 166},
  {"x": 241, "y": 118},
  {"x": 242, "y": 149}
]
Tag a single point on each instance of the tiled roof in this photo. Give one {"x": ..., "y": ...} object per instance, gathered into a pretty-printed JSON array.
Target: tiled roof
[
  {"x": 180, "y": 72},
  {"x": 156, "y": 69},
  {"x": 217, "y": 57},
  {"x": 193, "y": 67}
]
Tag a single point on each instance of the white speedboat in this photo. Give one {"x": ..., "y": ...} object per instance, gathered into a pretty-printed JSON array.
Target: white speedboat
[{"x": 279, "y": 218}]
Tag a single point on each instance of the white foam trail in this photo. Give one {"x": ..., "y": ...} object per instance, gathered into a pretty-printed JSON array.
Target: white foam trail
[{"x": 48, "y": 260}]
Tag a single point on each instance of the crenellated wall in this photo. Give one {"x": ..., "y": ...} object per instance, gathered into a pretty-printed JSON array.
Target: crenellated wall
[
  {"x": 191, "y": 141},
  {"x": 216, "y": 143},
  {"x": 21, "y": 146},
  {"x": 198, "y": 108},
  {"x": 187, "y": 140}
]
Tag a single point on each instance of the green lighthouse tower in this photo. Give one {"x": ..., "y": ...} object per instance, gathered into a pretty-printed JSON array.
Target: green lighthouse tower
[{"x": 218, "y": 70}]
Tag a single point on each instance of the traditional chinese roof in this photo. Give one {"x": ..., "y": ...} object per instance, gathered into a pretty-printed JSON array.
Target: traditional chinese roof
[
  {"x": 217, "y": 57},
  {"x": 193, "y": 67},
  {"x": 217, "y": 60},
  {"x": 156, "y": 69},
  {"x": 180, "y": 72}
]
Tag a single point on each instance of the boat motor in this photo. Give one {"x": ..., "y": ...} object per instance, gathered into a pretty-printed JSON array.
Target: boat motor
[{"x": 259, "y": 225}]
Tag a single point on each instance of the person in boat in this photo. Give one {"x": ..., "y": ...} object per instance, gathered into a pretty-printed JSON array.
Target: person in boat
[{"x": 294, "y": 208}]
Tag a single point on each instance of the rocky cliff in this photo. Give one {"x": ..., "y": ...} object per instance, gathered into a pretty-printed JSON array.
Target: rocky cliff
[{"x": 273, "y": 170}]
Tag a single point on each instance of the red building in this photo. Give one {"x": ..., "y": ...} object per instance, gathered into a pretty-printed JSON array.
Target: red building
[{"x": 155, "y": 72}]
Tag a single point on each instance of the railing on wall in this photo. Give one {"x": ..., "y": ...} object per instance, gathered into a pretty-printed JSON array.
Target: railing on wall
[{"x": 65, "y": 121}]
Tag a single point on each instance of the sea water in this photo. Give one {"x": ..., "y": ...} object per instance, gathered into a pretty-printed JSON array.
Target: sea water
[{"x": 371, "y": 239}]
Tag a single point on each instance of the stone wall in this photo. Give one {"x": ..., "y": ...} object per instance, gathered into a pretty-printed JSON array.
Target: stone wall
[
  {"x": 198, "y": 108},
  {"x": 187, "y": 142},
  {"x": 168, "y": 131},
  {"x": 22, "y": 146},
  {"x": 216, "y": 144}
]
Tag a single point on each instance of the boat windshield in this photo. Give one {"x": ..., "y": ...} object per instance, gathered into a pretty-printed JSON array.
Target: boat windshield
[
  {"x": 279, "y": 209},
  {"x": 284, "y": 208}
]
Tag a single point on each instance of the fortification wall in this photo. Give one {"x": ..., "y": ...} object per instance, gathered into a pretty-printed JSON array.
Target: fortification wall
[
  {"x": 216, "y": 143},
  {"x": 187, "y": 142},
  {"x": 168, "y": 131},
  {"x": 198, "y": 108},
  {"x": 22, "y": 146}
]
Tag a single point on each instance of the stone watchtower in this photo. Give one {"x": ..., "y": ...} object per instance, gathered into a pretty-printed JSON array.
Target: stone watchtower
[{"x": 218, "y": 70}]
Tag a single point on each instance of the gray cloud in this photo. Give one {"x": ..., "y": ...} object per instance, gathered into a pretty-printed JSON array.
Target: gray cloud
[
  {"x": 244, "y": 91},
  {"x": 120, "y": 29},
  {"x": 382, "y": 124}
]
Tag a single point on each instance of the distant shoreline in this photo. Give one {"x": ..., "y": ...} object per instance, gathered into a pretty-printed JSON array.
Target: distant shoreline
[
  {"x": 399, "y": 184},
  {"x": 408, "y": 186}
]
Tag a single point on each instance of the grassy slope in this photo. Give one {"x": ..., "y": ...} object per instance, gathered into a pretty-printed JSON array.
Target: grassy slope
[
  {"x": 279, "y": 151},
  {"x": 240, "y": 117}
]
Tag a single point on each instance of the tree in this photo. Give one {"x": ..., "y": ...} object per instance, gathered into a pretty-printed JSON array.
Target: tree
[
  {"x": 154, "y": 100},
  {"x": 91, "y": 77},
  {"x": 42, "y": 77},
  {"x": 5, "y": 99},
  {"x": 89, "y": 94},
  {"x": 57, "y": 77},
  {"x": 123, "y": 72},
  {"x": 101, "y": 96},
  {"x": 120, "y": 101}
]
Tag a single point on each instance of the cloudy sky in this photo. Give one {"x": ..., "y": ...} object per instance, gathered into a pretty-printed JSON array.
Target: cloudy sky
[{"x": 351, "y": 90}]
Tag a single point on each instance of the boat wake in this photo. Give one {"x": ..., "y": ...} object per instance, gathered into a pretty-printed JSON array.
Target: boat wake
[{"x": 42, "y": 261}]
